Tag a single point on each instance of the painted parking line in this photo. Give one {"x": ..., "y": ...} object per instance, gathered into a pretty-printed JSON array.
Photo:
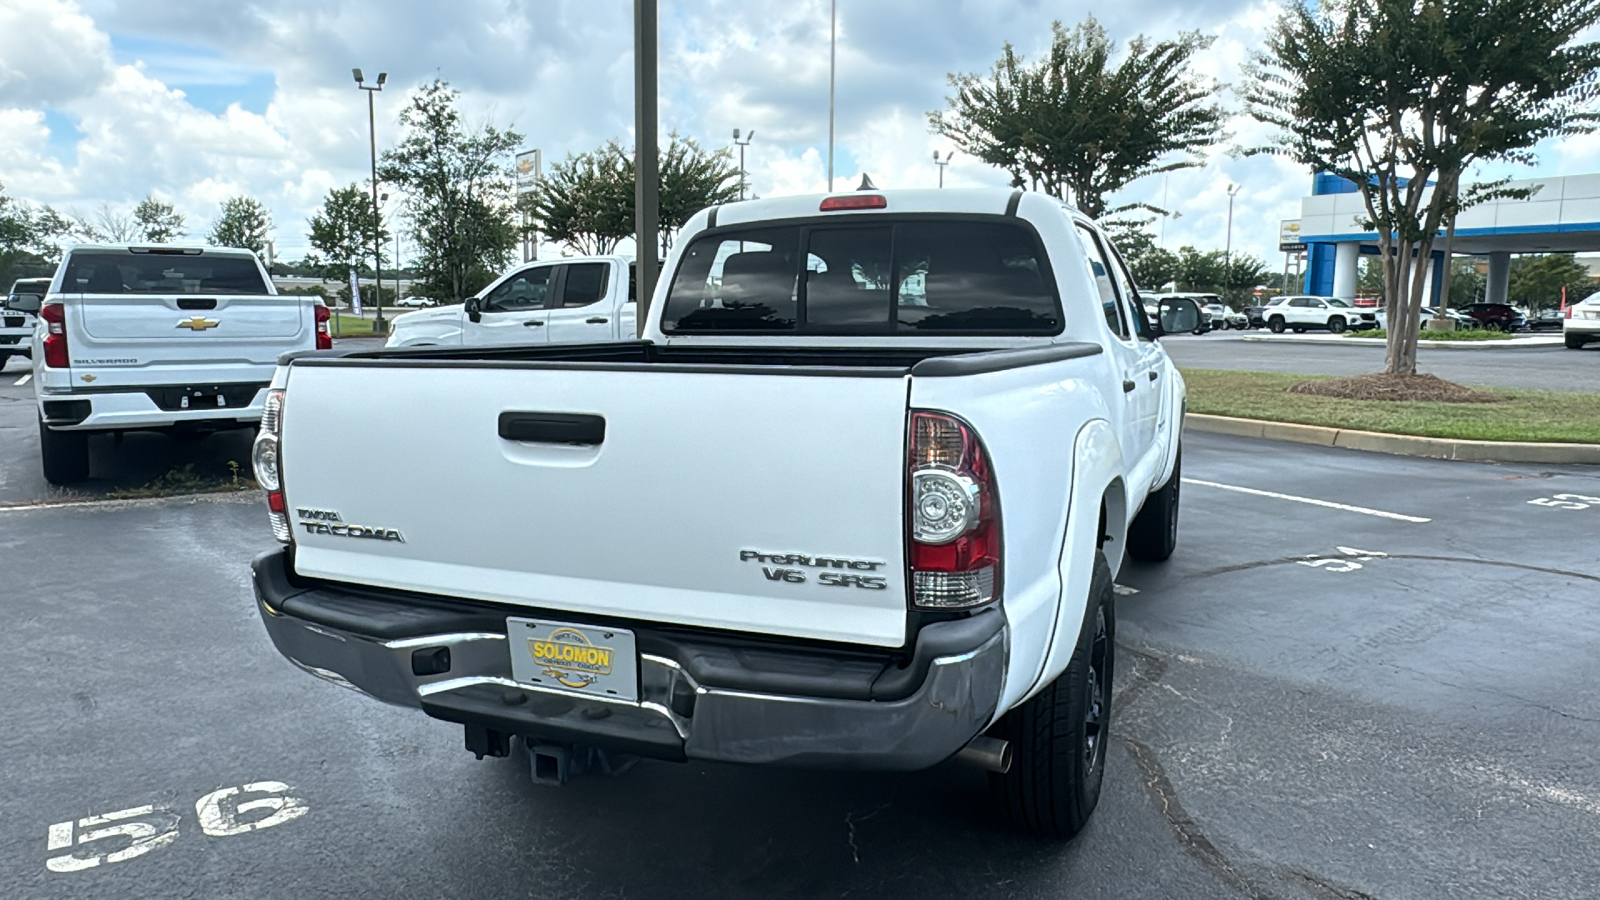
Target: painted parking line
[
  {"x": 1327, "y": 504},
  {"x": 23, "y": 380}
]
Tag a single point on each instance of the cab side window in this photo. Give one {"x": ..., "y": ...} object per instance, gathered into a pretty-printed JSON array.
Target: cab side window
[
  {"x": 1100, "y": 269},
  {"x": 521, "y": 292},
  {"x": 585, "y": 284}
]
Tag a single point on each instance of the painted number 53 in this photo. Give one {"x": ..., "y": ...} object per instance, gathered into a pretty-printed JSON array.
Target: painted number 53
[{"x": 1567, "y": 501}]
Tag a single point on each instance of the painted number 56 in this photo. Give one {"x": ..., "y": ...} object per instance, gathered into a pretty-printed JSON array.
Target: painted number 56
[
  {"x": 130, "y": 833},
  {"x": 1567, "y": 501}
]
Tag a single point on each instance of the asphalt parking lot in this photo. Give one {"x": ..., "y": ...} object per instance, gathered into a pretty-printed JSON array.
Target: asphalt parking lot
[
  {"x": 1360, "y": 677},
  {"x": 139, "y": 460},
  {"x": 1542, "y": 368}
]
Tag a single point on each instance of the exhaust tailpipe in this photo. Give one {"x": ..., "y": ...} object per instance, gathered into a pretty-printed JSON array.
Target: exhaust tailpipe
[{"x": 988, "y": 753}]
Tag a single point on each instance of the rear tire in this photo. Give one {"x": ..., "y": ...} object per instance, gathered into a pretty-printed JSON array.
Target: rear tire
[
  {"x": 1154, "y": 533},
  {"x": 1276, "y": 324},
  {"x": 1575, "y": 341},
  {"x": 1058, "y": 738},
  {"x": 64, "y": 455}
]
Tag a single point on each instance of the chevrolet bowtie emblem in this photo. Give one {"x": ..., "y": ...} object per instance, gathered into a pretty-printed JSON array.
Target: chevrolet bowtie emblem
[{"x": 198, "y": 323}]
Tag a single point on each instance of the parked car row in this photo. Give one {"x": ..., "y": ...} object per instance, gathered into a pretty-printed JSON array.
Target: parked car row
[{"x": 18, "y": 316}]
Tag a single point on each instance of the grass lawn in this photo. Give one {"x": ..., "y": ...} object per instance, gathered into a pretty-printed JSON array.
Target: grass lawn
[
  {"x": 344, "y": 324},
  {"x": 1559, "y": 416},
  {"x": 1474, "y": 334}
]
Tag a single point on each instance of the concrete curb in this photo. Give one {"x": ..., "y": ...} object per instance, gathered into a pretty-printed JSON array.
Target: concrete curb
[
  {"x": 1400, "y": 444},
  {"x": 1510, "y": 344}
]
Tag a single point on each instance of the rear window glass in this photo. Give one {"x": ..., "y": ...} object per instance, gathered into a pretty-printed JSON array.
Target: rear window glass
[
  {"x": 949, "y": 277},
  {"x": 161, "y": 273}
]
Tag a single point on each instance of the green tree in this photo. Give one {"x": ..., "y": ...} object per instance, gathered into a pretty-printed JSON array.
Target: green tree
[
  {"x": 1242, "y": 274},
  {"x": 587, "y": 201},
  {"x": 157, "y": 222},
  {"x": 1466, "y": 285},
  {"x": 1152, "y": 266},
  {"x": 1537, "y": 281},
  {"x": 29, "y": 238},
  {"x": 1402, "y": 97},
  {"x": 1077, "y": 122},
  {"x": 1199, "y": 271},
  {"x": 346, "y": 233},
  {"x": 458, "y": 188},
  {"x": 243, "y": 223}
]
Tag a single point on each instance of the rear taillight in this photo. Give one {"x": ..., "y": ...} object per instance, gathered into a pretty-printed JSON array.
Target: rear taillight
[
  {"x": 269, "y": 467},
  {"x": 324, "y": 338},
  {"x": 954, "y": 514},
  {"x": 1569, "y": 312},
  {"x": 55, "y": 335}
]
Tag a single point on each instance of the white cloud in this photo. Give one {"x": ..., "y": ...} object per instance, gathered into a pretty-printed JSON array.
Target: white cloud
[{"x": 560, "y": 72}]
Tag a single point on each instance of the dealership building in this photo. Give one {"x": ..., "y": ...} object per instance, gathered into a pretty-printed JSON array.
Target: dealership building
[{"x": 1562, "y": 215}]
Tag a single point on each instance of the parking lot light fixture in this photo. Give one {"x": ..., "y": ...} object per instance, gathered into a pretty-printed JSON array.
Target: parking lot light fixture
[
  {"x": 742, "y": 144},
  {"x": 941, "y": 163},
  {"x": 1227, "y": 254}
]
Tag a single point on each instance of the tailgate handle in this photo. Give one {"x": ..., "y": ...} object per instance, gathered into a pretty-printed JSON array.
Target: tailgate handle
[
  {"x": 197, "y": 303},
  {"x": 553, "y": 428}
]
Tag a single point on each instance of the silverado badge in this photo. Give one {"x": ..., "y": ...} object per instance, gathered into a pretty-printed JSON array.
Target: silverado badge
[{"x": 198, "y": 323}]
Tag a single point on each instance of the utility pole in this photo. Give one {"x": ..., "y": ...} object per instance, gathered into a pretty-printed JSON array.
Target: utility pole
[
  {"x": 646, "y": 165},
  {"x": 742, "y": 144},
  {"x": 833, "y": 41},
  {"x": 378, "y": 324}
]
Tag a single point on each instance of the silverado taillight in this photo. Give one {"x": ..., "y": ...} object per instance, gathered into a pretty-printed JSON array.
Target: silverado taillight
[
  {"x": 55, "y": 336},
  {"x": 268, "y": 465},
  {"x": 954, "y": 513},
  {"x": 324, "y": 338}
]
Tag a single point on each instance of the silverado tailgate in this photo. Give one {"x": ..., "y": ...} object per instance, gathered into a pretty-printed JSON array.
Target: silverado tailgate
[
  {"x": 750, "y": 502},
  {"x": 132, "y": 339}
]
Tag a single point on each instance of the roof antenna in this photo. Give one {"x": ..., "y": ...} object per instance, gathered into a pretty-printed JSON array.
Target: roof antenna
[{"x": 866, "y": 183}]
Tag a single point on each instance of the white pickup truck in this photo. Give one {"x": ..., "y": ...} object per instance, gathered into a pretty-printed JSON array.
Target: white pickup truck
[
  {"x": 856, "y": 500},
  {"x": 19, "y": 312},
  {"x": 182, "y": 339},
  {"x": 563, "y": 301}
]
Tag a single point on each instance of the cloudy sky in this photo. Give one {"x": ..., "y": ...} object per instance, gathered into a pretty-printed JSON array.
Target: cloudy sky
[{"x": 103, "y": 101}]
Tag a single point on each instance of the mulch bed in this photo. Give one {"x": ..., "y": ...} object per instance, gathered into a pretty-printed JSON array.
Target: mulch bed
[{"x": 1381, "y": 386}]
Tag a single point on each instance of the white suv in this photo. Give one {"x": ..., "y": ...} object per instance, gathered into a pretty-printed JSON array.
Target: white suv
[
  {"x": 1300, "y": 313},
  {"x": 1582, "y": 324}
]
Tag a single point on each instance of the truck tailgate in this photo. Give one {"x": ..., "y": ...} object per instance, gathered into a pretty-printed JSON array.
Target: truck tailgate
[{"x": 758, "y": 503}]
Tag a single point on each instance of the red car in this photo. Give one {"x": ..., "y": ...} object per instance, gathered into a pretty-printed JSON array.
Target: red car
[{"x": 1497, "y": 315}]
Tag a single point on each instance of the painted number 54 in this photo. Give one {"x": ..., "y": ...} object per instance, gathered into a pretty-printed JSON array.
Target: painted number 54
[{"x": 1567, "y": 501}]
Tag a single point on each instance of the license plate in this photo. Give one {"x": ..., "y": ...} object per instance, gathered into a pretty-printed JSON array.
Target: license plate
[{"x": 581, "y": 659}]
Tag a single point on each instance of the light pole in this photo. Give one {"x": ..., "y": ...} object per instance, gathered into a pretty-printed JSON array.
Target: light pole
[
  {"x": 742, "y": 144},
  {"x": 941, "y": 163},
  {"x": 1227, "y": 254},
  {"x": 646, "y": 164},
  {"x": 378, "y": 324},
  {"x": 833, "y": 41}
]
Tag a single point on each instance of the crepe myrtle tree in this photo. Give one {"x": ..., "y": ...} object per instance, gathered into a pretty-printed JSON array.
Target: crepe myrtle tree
[
  {"x": 586, "y": 202},
  {"x": 1404, "y": 97},
  {"x": 1076, "y": 123}
]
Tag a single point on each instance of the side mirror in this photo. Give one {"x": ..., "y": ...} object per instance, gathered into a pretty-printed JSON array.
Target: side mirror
[
  {"x": 474, "y": 308},
  {"x": 28, "y": 303},
  {"x": 1179, "y": 315}
]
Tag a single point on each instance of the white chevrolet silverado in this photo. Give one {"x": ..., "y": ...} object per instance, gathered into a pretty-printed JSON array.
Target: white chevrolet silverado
[
  {"x": 562, "y": 301},
  {"x": 182, "y": 339},
  {"x": 856, "y": 500},
  {"x": 19, "y": 312}
]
